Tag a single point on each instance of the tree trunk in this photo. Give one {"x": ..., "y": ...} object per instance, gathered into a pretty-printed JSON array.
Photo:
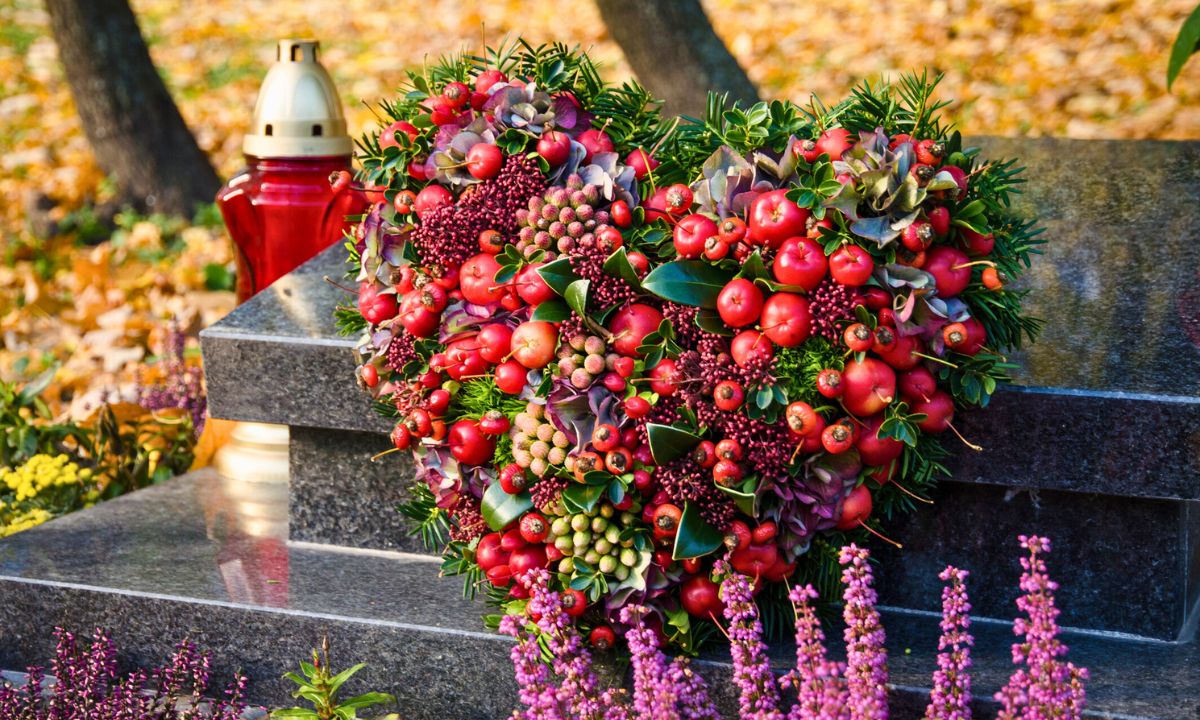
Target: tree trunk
[
  {"x": 135, "y": 130},
  {"x": 675, "y": 53}
]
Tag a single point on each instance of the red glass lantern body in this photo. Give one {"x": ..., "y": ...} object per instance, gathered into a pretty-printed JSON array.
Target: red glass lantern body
[{"x": 282, "y": 211}]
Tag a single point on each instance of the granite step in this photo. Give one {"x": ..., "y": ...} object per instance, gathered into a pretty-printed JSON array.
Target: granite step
[
  {"x": 1094, "y": 444},
  {"x": 193, "y": 558}
]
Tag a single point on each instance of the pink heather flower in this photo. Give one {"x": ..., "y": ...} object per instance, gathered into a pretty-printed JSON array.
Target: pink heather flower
[
  {"x": 950, "y": 698},
  {"x": 653, "y": 693},
  {"x": 1045, "y": 687},
  {"x": 866, "y": 657},
  {"x": 820, "y": 690},
  {"x": 759, "y": 697}
]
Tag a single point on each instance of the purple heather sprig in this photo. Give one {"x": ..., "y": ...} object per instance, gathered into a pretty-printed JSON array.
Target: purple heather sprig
[
  {"x": 759, "y": 690},
  {"x": 86, "y": 685},
  {"x": 950, "y": 698},
  {"x": 820, "y": 689},
  {"x": 866, "y": 656},
  {"x": 1045, "y": 687},
  {"x": 653, "y": 694}
]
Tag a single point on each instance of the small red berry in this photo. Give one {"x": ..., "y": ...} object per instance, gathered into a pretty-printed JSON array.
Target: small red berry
[
  {"x": 991, "y": 279},
  {"x": 493, "y": 422},
  {"x": 729, "y": 449},
  {"x": 574, "y": 602},
  {"x": 401, "y": 437},
  {"x": 829, "y": 383},
  {"x": 534, "y": 528},
  {"x": 885, "y": 340},
  {"x": 728, "y": 395},
  {"x": 764, "y": 533},
  {"x": 369, "y": 375},
  {"x": 637, "y": 407},
  {"x": 939, "y": 220},
  {"x": 727, "y": 473},
  {"x": 620, "y": 214},
  {"x": 858, "y": 337},
  {"x": 512, "y": 479},
  {"x": 491, "y": 242},
  {"x": 666, "y": 521},
  {"x": 731, "y": 230},
  {"x": 679, "y": 199},
  {"x": 837, "y": 438},
  {"x": 738, "y": 536},
  {"x": 705, "y": 454},
  {"x": 602, "y": 637},
  {"x": 801, "y": 418},
  {"x": 930, "y": 152},
  {"x": 605, "y": 437},
  {"x": 955, "y": 335},
  {"x": 405, "y": 199},
  {"x": 918, "y": 236},
  {"x": 618, "y": 461}
]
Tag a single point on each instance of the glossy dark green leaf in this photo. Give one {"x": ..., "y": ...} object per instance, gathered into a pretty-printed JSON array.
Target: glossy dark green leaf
[
  {"x": 688, "y": 282},
  {"x": 744, "y": 496},
  {"x": 754, "y": 268},
  {"x": 499, "y": 508},
  {"x": 581, "y": 498},
  {"x": 696, "y": 537},
  {"x": 576, "y": 296},
  {"x": 710, "y": 321},
  {"x": 618, "y": 265},
  {"x": 551, "y": 311},
  {"x": 668, "y": 442},
  {"x": 558, "y": 275}
]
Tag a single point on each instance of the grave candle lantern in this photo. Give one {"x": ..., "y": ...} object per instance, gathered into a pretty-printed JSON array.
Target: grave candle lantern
[{"x": 281, "y": 209}]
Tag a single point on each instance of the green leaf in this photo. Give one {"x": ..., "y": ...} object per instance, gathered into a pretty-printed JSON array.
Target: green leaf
[
  {"x": 1185, "y": 46},
  {"x": 668, "y": 442},
  {"x": 551, "y": 311},
  {"x": 688, "y": 282},
  {"x": 294, "y": 714},
  {"x": 618, "y": 265},
  {"x": 581, "y": 498},
  {"x": 754, "y": 268},
  {"x": 558, "y": 275},
  {"x": 745, "y": 499},
  {"x": 37, "y": 386},
  {"x": 338, "y": 680},
  {"x": 695, "y": 537},
  {"x": 500, "y": 508},
  {"x": 576, "y": 296},
  {"x": 710, "y": 321},
  {"x": 367, "y": 700}
]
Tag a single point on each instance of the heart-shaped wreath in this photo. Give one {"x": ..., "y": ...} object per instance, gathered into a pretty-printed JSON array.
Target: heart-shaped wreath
[{"x": 620, "y": 346}]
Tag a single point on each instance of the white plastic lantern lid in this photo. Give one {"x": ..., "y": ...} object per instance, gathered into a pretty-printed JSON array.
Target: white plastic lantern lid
[{"x": 298, "y": 113}]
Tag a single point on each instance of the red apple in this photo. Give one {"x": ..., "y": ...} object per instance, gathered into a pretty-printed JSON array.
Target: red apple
[
  {"x": 851, "y": 265},
  {"x": 531, "y": 287},
  {"x": 595, "y": 142},
  {"x": 749, "y": 345},
  {"x": 631, "y": 325},
  {"x": 691, "y": 233},
  {"x": 786, "y": 319},
  {"x": 494, "y": 341},
  {"x": 875, "y": 450},
  {"x": 868, "y": 386},
  {"x": 740, "y": 302},
  {"x": 774, "y": 218},
  {"x": 800, "y": 262},
  {"x": 477, "y": 279},
  {"x": 946, "y": 265},
  {"x": 432, "y": 197},
  {"x": 855, "y": 508},
  {"x": 533, "y": 343}
]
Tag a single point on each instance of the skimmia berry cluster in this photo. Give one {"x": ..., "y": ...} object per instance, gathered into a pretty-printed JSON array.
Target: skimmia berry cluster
[{"x": 619, "y": 345}]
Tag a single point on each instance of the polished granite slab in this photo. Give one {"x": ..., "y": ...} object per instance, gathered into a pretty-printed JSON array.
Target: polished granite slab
[{"x": 195, "y": 558}]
